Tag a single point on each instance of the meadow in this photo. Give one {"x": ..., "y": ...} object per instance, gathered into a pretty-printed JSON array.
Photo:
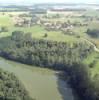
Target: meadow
[
  {"x": 36, "y": 30},
  {"x": 39, "y": 31}
]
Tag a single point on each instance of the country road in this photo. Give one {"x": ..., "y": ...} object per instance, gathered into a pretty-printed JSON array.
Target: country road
[{"x": 91, "y": 43}]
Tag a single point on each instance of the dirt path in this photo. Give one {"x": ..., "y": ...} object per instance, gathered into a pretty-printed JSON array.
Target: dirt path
[{"x": 91, "y": 43}]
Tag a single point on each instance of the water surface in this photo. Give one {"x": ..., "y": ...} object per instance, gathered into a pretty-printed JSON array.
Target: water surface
[{"x": 41, "y": 83}]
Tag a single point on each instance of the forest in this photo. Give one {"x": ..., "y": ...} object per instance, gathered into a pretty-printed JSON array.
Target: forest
[
  {"x": 43, "y": 53},
  {"x": 11, "y": 88},
  {"x": 40, "y": 43},
  {"x": 55, "y": 55},
  {"x": 93, "y": 33}
]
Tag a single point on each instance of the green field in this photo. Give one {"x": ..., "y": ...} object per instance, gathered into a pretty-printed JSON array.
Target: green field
[
  {"x": 95, "y": 68},
  {"x": 37, "y": 31}
]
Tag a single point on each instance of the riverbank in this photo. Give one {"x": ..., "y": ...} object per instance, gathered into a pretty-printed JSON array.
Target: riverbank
[{"x": 41, "y": 83}]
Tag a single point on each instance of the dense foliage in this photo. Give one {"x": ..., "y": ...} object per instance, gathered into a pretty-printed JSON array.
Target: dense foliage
[
  {"x": 11, "y": 88},
  {"x": 80, "y": 79},
  {"x": 52, "y": 54},
  {"x": 93, "y": 33}
]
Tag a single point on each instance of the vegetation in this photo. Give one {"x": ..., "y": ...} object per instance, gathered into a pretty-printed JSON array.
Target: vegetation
[
  {"x": 11, "y": 88},
  {"x": 55, "y": 41},
  {"x": 93, "y": 33},
  {"x": 52, "y": 54},
  {"x": 4, "y": 29},
  {"x": 80, "y": 78}
]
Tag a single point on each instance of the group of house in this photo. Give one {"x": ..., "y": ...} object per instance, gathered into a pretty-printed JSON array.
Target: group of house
[
  {"x": 19, "y": 21},
  {"x": 56, "y": 26}
]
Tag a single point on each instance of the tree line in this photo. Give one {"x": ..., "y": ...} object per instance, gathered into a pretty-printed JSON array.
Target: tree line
[
  {"x": 55, "y": 55},
  {"x": 80, "y": 79},
  {"x": 52, "y": 54},
  {"x": 93, "y": 33},
  {"x": 11, "y": 88}
]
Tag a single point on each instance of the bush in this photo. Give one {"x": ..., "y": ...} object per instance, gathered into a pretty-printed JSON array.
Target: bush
[
  {"x": 93, "y": 33},
  {"x": 11, "y": 88},
  {"x": 4, "y": 29}
]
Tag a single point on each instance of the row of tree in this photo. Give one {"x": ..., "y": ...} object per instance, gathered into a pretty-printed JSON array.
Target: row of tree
[{"x": 52, "y": 54}]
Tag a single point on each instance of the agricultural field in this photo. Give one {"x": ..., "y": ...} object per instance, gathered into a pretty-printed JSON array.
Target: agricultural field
[{"x": 36, "y": 30}]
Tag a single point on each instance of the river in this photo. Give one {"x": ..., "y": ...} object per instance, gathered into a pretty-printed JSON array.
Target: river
[{"x": 41, "y": 83}]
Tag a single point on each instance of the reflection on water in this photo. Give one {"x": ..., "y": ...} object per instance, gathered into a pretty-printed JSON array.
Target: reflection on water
[
  {"x": 42, "y": 84},
  {"x": 64, "y": 87}
]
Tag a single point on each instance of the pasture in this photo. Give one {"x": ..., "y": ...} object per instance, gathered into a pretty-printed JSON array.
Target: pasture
[{"x": 36, "y": 30}]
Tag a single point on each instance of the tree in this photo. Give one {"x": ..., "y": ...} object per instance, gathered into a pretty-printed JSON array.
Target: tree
[
  {"x": 45, "y": 35},
  {"x": 11, "y": 88},
  {"x": 4, "y": 29},
  {"x": 93, "y": 33},
  {"x": 17, "y": 35}
]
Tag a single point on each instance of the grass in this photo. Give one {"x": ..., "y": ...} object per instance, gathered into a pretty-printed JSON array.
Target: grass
[
  {"x": 5, "y": 21},
  {"x": 90, "y": 59},
  {"x": 13, "y": 13},
  {"x": 92, "y": 13},
  {"x": 33, "y": 78},
  {"x": 37, "y": 31}
]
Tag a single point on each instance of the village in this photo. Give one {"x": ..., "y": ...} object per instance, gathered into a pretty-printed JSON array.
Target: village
[
  {"x": 45, "y": 20},
  {"x": 52, "y": 49}
]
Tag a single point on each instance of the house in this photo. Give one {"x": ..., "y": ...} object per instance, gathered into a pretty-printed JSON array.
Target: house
[{"x": 21, "y": 21}]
